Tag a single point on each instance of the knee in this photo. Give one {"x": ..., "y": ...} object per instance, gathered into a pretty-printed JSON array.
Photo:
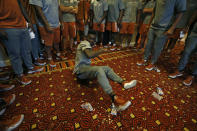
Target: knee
[
  {"x": 100, "y": 71},
  {"x": 107, "y": 68}
]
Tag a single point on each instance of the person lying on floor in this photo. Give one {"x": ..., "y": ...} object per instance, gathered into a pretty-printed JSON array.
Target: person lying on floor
[{"x": 84, "y": 70}]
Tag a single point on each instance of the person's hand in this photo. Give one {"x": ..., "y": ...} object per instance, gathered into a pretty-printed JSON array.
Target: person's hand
[
  {"x": 74, "y": 11},
  {"x": 3, "y": 35},
  {"x": 169, "y": 32},
  {"x": 186, "y": 29},
  {"x": 30, "y": 25},
  {"x": 119, "y": 24},
  {"x": 99, "y": 23},
  {"x": 49, "y": 29},
  {"x": 147, "y": 28}
]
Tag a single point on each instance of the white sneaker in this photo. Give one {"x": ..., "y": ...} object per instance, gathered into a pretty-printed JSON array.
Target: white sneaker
[{"x": 130, "y": 84}]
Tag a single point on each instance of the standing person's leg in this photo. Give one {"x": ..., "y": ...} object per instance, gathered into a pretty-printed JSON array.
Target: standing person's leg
[
  {"x": 13, "y": 45},
  {"x": 130, "y": 32},
  {"x": 25, "y": 46},
  {"x": 4, "y": 59},
  {"x": 66, "y": 36},
  {"x": 115, "y": 33},
  {"x": 56, "y": 41},
  {"x": 122, "y": 34},
  {"x": 159, "y": 43},
  {"x": 148, "y": 48},
  {"x": 150, "y": 43},
  {"x": 13, "y": 48},
  {"x": 190, "y": 45},
  {"x": 72, "y": 34},
  {"x": 194, "y": 71},
  {"x": 36, "y": 44},
  {"x": 48, "y": 41},
  {"x": 81, "y": 27},
  {"x": 109, "y": 29},
  {"x": 188, "y": 81}
]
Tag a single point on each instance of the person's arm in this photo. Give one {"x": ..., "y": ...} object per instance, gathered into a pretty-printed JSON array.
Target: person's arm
[
  {"x": 138, "y": 17},
  {"x": 180, "y": 8},
  {"x": 172, "y": 28},
  {"x": 192, "y": 19},
  {"x": 92, "y": 54},
  {"x": 66, "y": 8},
  {"x": 41, "y": 15},
  {"x": 26, "y": 16},
  {"x": 24, "y": 12},
  {"x": 147, "y": 10},
  {"x": 74, "y": 10},
  {"x": 103, "y": 17},
  {"x": 120, "y": 18}
]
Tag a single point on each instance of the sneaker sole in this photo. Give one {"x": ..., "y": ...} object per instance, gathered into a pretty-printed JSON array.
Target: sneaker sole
[
  {"x": 173, "y": 77},
  {"x": 16, "y": 125},
  {"x": 25, "y": 83},
  {"x": 149, "y": 69},
  {"x": 186, "y": 84},
  {"x": 39, "y": 64},
  {"x": 124, "y": 107},
  {"x": 52, "y": 65},
  {"x": 13, "y": 99},
  {"x": 31, "y": 72},
  {"x": 2, "y": 111},
  {"x": 130, "y": 84},
  {"x": 139, "y": 64},
  {"x": 7, "y": 89},
  {"x": 5, "y": 78}
]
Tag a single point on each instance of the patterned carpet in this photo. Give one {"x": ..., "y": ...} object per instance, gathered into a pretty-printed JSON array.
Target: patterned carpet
[{"x": 53, "y": 101}]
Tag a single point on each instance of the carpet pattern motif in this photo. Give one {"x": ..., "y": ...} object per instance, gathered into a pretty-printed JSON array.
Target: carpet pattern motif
[{"x": 53, "y": 101}]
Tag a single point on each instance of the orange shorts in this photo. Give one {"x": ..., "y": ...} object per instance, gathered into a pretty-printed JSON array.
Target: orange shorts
[
  {"x": 112, "y": 26},
  {"x": 69, "y": 30},
  {"x": 80, "y": 25},
  {"x": 50, "y": 38},
  {"x": 127, "y": 28},
  {"x": 100, "y": 28},
  {"x": 143, "y": 28}
]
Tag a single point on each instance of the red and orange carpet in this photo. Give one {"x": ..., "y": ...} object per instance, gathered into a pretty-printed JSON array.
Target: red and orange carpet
[{"x": 53, "y": 100}]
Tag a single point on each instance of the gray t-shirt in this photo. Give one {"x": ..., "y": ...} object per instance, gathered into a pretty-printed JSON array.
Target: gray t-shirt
[
  {"x": 81, "y": 57},
  {"x": 69, "y": 17},
  {"x": 131, "y": 7},
  {"x": 114, "y": 7},
  {"x": 98, "y": 8},
  {"x": 146, "y": 16},
  {"x": 191, "y": 7},
  {"x": 50, "y": 9},
  {"x": 164, "y": 11}
]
